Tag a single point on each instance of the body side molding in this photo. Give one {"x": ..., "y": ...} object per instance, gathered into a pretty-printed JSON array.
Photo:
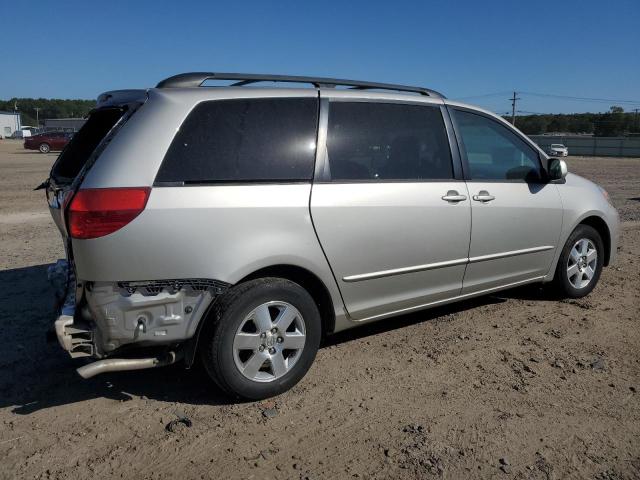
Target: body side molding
[{"x": 447, "y": 263}]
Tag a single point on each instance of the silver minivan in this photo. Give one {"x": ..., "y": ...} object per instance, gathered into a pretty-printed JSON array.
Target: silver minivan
[{"x": 240, "y": 224}]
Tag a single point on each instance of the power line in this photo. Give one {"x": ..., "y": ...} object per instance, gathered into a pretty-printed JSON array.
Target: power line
[
  {"x": 551, "y": 95},
  {"x": 533, "y": 113},
  {"x": 485, "y": 95},
  {"x": 581, "y": 99}
]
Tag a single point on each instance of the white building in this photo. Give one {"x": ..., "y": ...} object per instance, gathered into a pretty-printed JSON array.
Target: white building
[{"x": 9, "y": 123}]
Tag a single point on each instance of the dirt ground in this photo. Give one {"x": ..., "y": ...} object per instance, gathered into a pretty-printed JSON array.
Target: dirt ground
[{"x": 515, "y": 385}]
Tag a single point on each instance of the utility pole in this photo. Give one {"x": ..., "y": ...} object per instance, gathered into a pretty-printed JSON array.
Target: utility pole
[
  {"x": 15, "y": 112},
  {"x": 37, "y": 109},
  {"x": 513, "y": 108},
  {"x": 636, "y": 117}
]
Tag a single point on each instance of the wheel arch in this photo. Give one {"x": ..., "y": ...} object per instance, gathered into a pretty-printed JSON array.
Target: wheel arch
[
  {"x": 307, "y": 280},
  {"x": 594, "y": 220},
  {"x": 602, "y": 228},
  {"x": 303, "y": 277}
]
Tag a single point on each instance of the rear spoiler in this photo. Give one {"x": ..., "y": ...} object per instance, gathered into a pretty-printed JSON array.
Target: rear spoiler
[{"x": 121, "y": 97}]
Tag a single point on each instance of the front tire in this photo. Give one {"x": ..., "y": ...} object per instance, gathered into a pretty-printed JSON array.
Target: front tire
[
  {"x": 262, "y": 338},
  {"x": 580, "y": 263},
  {"x": 44, "y": 148}
]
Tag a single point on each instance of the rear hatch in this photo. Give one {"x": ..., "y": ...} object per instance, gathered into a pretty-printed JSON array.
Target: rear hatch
[{"x": 112, "y": 112}]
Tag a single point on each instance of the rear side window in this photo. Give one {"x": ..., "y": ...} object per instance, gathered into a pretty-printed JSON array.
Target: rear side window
[
  {"x": 80, "y": 148},
  {"x": 494, "y": 152},
  {"x": 386, "y": 141},
  {"x": 264, "y": 140}
]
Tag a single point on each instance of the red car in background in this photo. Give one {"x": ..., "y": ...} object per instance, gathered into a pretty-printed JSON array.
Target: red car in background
[{"x": 47, "y": 141}]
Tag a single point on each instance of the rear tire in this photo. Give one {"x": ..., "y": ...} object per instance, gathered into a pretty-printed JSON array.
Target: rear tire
[
  {"x": 44, "y": 148},
  {"x": 580, "y": 263},
  {"x": 261, "y": 339}
]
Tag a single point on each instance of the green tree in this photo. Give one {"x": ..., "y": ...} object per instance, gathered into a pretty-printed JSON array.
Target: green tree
[
  {"x": 558, "y": 124},
  {"x": 611, "y": 124}
]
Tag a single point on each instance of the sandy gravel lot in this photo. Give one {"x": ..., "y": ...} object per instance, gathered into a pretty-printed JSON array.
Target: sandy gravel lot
[{"x": 515, "y": 385}]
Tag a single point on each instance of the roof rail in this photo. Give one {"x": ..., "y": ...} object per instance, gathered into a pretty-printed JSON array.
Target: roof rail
[{"x": 196, "y": 79}]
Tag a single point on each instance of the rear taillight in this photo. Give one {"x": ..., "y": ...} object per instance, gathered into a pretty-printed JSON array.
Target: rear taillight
[{"x": 96, "y": 212}]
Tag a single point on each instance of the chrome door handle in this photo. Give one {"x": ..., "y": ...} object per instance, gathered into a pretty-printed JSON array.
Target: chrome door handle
[
  {"x": 483, "y": 196},
  {"x": 453, "y": 197}
]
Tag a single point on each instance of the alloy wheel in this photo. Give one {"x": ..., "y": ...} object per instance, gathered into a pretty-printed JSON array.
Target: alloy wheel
[
  {"x": 269, "y": 341},
  {"x": 582, "y": 263}
]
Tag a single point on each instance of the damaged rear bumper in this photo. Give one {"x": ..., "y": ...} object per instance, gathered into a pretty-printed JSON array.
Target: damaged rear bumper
[
  {"x": 77, "y": 341},
  {"x": 97, "y": 318}
]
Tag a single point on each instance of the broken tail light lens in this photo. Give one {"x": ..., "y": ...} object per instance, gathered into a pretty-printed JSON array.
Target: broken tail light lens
[{"x": 96, "y": 212}]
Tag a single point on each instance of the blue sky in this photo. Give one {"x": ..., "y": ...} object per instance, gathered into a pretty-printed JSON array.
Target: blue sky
[{"x": 588, "y": 48}]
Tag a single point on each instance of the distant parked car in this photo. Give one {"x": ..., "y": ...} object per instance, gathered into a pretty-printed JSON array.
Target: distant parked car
[
  {"x": 23, "y": 132},
  {"x": 47, "y": 141},
  {"x": 558, "y": 150}
]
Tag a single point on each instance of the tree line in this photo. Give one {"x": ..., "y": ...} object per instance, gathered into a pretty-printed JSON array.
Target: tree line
[
  {"x": 616, "y": 122},
  {"x": 47, "y": 108}
]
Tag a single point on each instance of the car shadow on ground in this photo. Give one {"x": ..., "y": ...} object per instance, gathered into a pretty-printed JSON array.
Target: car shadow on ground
[
  {"x": 527, "y": 292},
  {"x": 36, "y": 374}
]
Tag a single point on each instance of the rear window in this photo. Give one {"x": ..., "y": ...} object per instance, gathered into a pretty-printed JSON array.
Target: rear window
[
  {"x": 84, "y": 142},
  {"x": 244, "y": 140}
]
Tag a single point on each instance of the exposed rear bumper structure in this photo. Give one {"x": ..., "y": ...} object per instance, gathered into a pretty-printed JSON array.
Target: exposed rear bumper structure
[
  {"x": 126, "y": 313},
  {"x": 77, "y": 341}
]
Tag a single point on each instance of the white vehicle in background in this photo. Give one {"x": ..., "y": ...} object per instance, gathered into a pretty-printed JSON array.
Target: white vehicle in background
[
  {"x": 558, "y": 150},
  {"x": 23, "y": 132}
]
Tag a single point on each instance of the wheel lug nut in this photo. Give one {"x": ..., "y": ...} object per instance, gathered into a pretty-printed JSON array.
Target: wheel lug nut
[
  {"x": 262, "y": 335},
  {"x": 272, "y": 350},
  {"x": 280, "y": 339},
  {"x": 274, "y": 330},
  {"x": 261, "y": 348}
]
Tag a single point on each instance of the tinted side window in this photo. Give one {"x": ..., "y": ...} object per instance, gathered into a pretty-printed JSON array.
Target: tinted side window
[
  {"x": 243, "y": 140},
  {"x": 385, "y": 141},
  {"x": 494, "y": 152}
]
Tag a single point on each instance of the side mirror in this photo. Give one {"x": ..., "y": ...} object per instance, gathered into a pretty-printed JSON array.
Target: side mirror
[{"x": 557, "y": 169}]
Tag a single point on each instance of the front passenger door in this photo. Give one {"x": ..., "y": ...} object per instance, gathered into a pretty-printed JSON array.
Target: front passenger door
[{"x": 516, "y": 215}]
